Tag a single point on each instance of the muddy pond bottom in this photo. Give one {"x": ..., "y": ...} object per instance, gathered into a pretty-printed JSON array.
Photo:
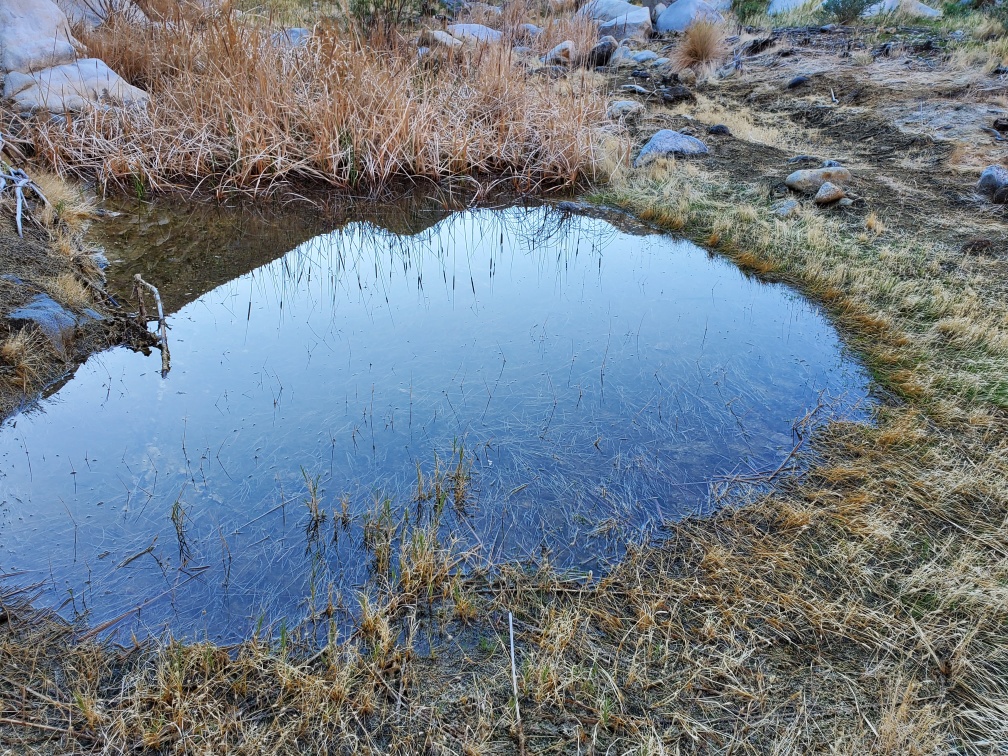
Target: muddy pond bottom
[{"x": 572, "y": 387}]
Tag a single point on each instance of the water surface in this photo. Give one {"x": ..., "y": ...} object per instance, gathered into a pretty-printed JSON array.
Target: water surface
[{"x": 597, "y": 383}]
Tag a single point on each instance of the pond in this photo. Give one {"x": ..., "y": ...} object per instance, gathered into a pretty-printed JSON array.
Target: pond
[{"x": 590, "y": 383}]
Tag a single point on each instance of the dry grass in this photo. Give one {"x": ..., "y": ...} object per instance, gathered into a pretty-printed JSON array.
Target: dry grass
[
  {"x": 24, "y": 356},
  {"x": 230, "y": 111},
  {"x": 702, "y": 45}
]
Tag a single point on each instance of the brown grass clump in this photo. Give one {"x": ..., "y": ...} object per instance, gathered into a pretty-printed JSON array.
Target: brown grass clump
[
  {"x": 702, "y": 45},
  {"x": 231, "y": 110},
  {"x": 67, "y": 289},
  {"x": 24, "y": 357}
]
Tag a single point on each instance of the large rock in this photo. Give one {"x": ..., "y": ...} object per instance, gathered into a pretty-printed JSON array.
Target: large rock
[
  {"x": 618, "y": 18},
  {"x": 563, "y": 54},
  {"x": 474, "y": 33},
  {"x": 994, "y": 182},
  {"x": 809, "y": 181},
  {"x": 603, "y": 51},
  {"x": 666, "y": 143},
  {"x": 70, "y": 87},
  {"x": 678, "y": 16},
  {"x": 34, "y": 34},
  {"x": 907, "y": 7},
  {"x": 438, "y": 38},
  {"x": 92, "y": 13},
  {"x": 777, "y": 7}
]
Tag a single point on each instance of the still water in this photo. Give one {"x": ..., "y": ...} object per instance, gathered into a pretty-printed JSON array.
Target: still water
[{"x": 596, "y": 382}]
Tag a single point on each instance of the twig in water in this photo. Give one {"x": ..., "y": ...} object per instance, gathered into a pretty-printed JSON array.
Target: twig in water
[{"x": 138, "y": 282}]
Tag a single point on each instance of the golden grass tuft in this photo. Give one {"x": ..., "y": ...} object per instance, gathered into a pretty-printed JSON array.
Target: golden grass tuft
[
  {"x": 67, "y": 203},
  {"x": 25, "y": 354},
  {"x": 68, "y": 290},
  {"x": 702, "y": 45},
  {"x": 230, "y": 109}
]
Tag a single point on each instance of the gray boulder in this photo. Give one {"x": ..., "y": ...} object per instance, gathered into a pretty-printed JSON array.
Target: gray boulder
[
  {"x": 666, "y": 143},
  {"x": 602, "y": 52},
  {"x": 777, "y": 7},
  {"x": 71, "y": 87},
  {"x": 622, "y": 109},
  {"x": 34, "y": 34},
  {"x": 908, "y": 7},
  {"x": 644, "y": 56},
  {"x": 994, "y": 182},
  {"x": 561, "y": 55},
  {"x": 618, "y": 18},
  {"x": 810, "y": 180},
  {"x": 623, "y": 56},
  {"x": 475, "y": 33},
  {"x": 678, "y": 16},
  {"x": 92, "y": 13},
  {"x": 438, "y": 38},
  {"x": 528, "y": 31}
]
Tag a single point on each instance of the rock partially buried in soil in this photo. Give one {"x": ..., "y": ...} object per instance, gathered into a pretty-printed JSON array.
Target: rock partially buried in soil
[
  {"x": 682, "y": 13},
  {"x": 828, "y": 193},
  {"x": 624, "y": 109},
  {"x": 785, "y": 208},
  {"x": 34, "y": 34},
  {"x": 473, "y": 34},
  {"x": 602, "y": 52},
  {"x": 676, "y": 93},
  {"x": 71, "y": 88},
  {"x": 618, "y": 18},
  {"x": 55, "y": 321},
  {"x": 668, "y": 143},
  {"x": 687, "y": 76},
  {"x": 809, "y": 180},
  {"x": 644, "y": 56},
  {"x": 719, "y": 129},
  {"x": 994, "y": 183},
  {"x": 528, "y": 32}
]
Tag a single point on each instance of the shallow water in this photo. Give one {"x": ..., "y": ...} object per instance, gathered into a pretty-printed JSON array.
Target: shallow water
[{"x": 598, "y": 383}]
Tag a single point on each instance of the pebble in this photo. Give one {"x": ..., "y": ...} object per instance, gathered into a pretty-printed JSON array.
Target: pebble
[
  {"x": 797, "y": 81},
  {"x": 720, "y": 129},
  {"x": 624, "y": 109},
  {"x": 785, "y": 208}
]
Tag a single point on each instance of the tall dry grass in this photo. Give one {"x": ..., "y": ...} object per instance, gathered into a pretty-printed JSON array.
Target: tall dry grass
[{"x": 230, "y": 110}]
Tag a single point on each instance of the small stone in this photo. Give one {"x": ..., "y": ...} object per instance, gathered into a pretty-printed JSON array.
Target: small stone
[
  {"x": 797, "y": 81},
  {"x": 845, "y": 202},
  {"x": 644, "y": 56},
  {"x": 561, "y": 55},
  {"x": 687, "y": 76},
  {"x": 994, "y": 182},
  {"x": 828, "y": 193},
  {"x": 635, "y": 89},
  {"x": 622, "y": 56},
  {"x": 667, "y": 143},
  {"x": 785, "y": 208},
  {"x": 624, "y": 109},
  {"x": 802, "y": 159},
  {"x": 658, "y": 62},
  {"x": 809, "y": 180},
  {"x": 528, "y": 31},
  {"x": 719, "y": 129},
  {"x": 831, "y": 164},
  {"x": 603, "y": 51}
]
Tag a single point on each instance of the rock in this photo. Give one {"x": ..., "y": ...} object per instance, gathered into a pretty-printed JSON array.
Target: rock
[
  {"x": 845, "y": 202},
  {"x": 636, "y": 89},
  {"x": 618, "y": 18},
  {"x": 561, "y": 55},
  {"x": 52, "y": 319},
  {"x": 802, "y": 159},
  {"x": 622, "y": 57},
  {"x": 528, "y": 31},
  {"x": 70, "y": 87},
  {"x": 659, "y": 62},
  {"x": 438, "y": 38},
  {"x": 624, "y": 109},
  {"x": 797, "y": 81},
  {"x": 491, "y": 10},
  {"x": 908, "y": 7},
  {"x": 688, "y": 77},
  {"x": 719, "y": 129},
  {"x": 667, "y": 143},
  {"x": 92, "y": 13},
  {"x": 473, "y": 34},
  {"x": 783, "y": 6},
  {"x": 680, "y": 14},
  {"x": 809, "y": 180},
  {"x": 785, "y": 208},
  {"x": 828, "y": 193},
  {"x": 676, "y": 93},
  {"x": 640, "y": 73},
  {"x": 644, "y": 56},
  {"x": 994, "y": 182},
  {"x": 831, "y": 164},
  {"x": 602, "y": 52},
  {"x": 657, "y": 11},
  {"x": 34, "y": 34},
  {"x": 296, "y": 36}
]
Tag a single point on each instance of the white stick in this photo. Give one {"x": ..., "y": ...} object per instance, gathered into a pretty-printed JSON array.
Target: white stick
[
  {"x": 165, "y": 355},
  {"x": 514, "y": 671}
]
